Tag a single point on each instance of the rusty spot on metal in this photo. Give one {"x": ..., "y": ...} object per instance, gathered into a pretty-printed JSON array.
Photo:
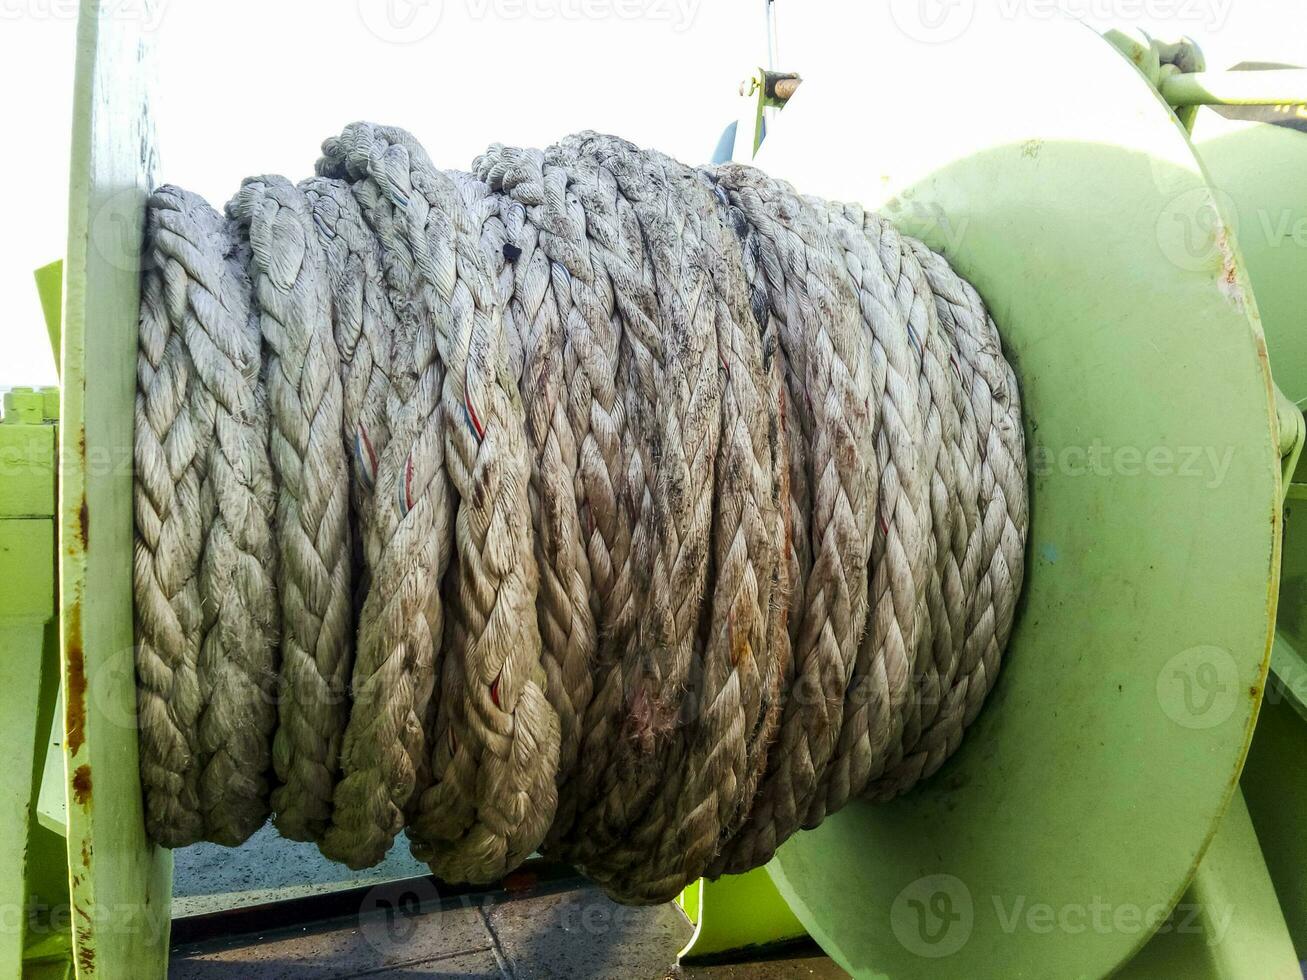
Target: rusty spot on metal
[
  {"x": 82, "y": 784},
  {"x": 84, "y": 523},
  {"x": 85, "y": 956},
  {"x": 83, "y": 930},
  {"x": 75, "y": 681},
  {"x": 1228, "y": 283}
]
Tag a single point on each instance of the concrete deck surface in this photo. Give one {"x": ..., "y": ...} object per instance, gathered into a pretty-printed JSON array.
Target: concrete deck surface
[{"x": 571, "y": 935}]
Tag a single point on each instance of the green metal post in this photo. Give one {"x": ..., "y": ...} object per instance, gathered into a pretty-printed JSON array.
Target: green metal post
[
  {"x": 120, "y": 882},
  {"x": 33, "y": 889},
  {"x": 1228, "y": 925},
  {"x": 1275, "y": 785},
  {"x": 1274, "y": 87},
  {"x": 49, "y": 286},
  {"x": 736, "y": 914}
]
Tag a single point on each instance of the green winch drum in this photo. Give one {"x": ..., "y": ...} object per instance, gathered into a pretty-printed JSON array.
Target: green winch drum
[{"x": 1070, "y": 196}]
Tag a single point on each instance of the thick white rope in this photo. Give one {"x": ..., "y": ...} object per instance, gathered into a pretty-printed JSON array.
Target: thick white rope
[
  {"x": 206, "y": 610},
  {"x": 588, "y": 502}
]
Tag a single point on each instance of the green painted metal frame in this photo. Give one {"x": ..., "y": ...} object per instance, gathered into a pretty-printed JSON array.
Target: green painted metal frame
[
  {"x": 737, "y": 915},
  {"x": 1208, "y": 88},
  {"x": 33, "y": 892},
  {"x": 119, "y": 883},
  {"x": 1228, "y": 924},
  {"x": 1259, "y": 166}
]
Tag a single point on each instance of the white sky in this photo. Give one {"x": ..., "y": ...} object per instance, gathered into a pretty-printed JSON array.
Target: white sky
[{"x": 249, "y": 87}]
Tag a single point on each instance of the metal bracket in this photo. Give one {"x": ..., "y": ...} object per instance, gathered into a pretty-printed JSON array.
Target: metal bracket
[
  {"x": 1177, "y": 69},
  {"x": 736, "y": 915},
  {"x": 770, "y": 91}
]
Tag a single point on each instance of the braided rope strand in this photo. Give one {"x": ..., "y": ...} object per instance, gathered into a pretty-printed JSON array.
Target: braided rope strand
[{"x": 308, "y": 458}]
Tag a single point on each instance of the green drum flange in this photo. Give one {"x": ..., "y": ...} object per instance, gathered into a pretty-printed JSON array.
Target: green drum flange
[
  {"x": 1257, "y": 159},
  {"x": 120, "y": 883},
  {"x": 1038, "y": 159}
]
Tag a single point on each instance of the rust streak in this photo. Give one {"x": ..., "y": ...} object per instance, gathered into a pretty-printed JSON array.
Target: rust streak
[
  {"x": 85, "y": 957},
  {"x": 84, "y": 523},
  {"x": 82, "y": 785},
  {"x": 84, "y": 931},
  {"x": 75, "y": 681}
]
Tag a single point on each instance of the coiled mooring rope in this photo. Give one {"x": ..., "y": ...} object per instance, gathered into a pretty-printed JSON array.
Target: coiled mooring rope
[{"x": 588, "y": 502}]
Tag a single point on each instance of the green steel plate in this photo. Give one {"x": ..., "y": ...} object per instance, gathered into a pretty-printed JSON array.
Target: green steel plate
[
  {"x": 1260, "y": 172},
  {"x": 119, "y": 882},
  {"x": 1038, "y": 159}
]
